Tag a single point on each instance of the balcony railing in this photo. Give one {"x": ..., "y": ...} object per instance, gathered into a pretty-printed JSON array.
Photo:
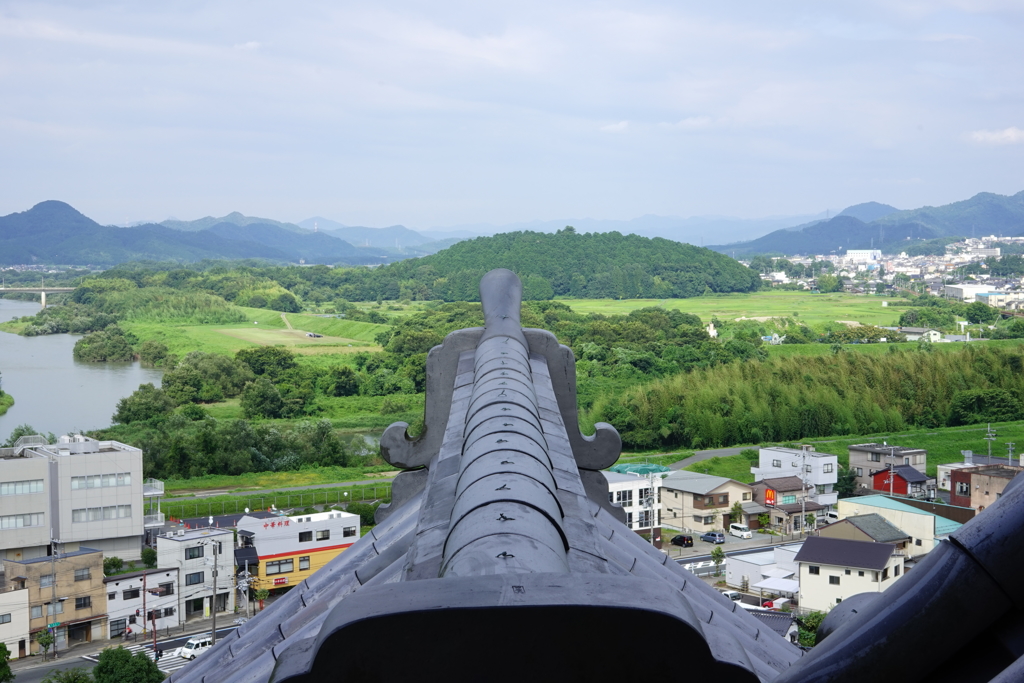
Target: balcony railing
[
  {"x": 152, "y": 487},
  {"x": 156, "y": 519}
]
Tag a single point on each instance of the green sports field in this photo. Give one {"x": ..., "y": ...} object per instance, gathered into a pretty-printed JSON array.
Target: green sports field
[{"x": 805, "y": 307}]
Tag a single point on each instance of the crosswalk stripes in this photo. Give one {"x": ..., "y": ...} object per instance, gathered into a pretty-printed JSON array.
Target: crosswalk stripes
[{"x": 167, "y": 663}]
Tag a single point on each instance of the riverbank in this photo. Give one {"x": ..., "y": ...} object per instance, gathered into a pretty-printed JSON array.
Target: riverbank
[{"x": 6, "y": 401}]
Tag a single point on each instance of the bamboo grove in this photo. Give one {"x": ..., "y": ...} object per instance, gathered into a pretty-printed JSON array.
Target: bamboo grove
[{"x": 785, "y": 399}]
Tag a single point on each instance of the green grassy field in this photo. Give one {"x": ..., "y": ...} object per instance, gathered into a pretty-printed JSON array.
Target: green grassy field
[
  {"x": 283, "y": 500},
  {"x": 809, "y": 308},
  {"x": 268, "y": 481},
  {"x": 825, "y": 349}
]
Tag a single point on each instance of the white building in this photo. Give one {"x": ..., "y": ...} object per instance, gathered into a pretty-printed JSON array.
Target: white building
[
  {"x": 818, "y": 471},
  {"x": 139, "y": 599},
  {"x": 864, "y": 255},
  {"x": 966, "y": 293},
  {"x": 83, "y": 491},
  {"x": 833, "y": 569},
  {"x": 743, "y": 572},
  {"x": 639, "y": 496},
  {"x": 14, "y": 620},
  {"x": 197, "y": 554}
]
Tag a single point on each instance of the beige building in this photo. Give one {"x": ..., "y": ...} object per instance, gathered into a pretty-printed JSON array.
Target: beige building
[
  {"x": 66, "y": 590},
  {"x": 833, "y": 569},
  {"x": 871, "y": 528},
  {"x": 14, "y": 621},
  {"x": 701, "y": 502},
  {"x": 980, "y": 486},
  {"x": 868, "y": 458},
  {"x": 924, "y": 529}
]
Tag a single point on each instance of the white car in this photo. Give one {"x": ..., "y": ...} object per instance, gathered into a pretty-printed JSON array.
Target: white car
[{"x": 195, "y": 646}]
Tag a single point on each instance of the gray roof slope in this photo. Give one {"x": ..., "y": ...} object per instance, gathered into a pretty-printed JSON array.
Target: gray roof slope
[
  {"x": 784, "y": 483},
  {"x": 877, "y": 527},
  {"x": 590, "y": 562},
  {"x": 908, "y": 473},
  {"x": 694, "y": 482},
  {"x": 841, "y": 552}
]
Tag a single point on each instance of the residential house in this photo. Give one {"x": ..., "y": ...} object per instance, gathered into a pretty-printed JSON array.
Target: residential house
[
  {"x": 14, "y": 619},
  {"x": 288, "y": 550},
  {"x": 868, "y": 458},
  {"x": 142, "y": 601},
  {"x": 203, "y": 569},
  {"x": 742, "y": 572},
  {"x": 832, "y": 569},
  {"x": 788, "y": 502},
  {"x": 903, "y": 480},
  {"x": 86, "y": 493},
  {"x": 820, "y": 471},
  {"x": 640, "y": 498},
  {"x": 918, "y": 333},
  {"x": 872, "y": 528},
  {"x": 971, "y": 459},
  {"x": 702, "y": 502},
  {"x": 65, "y": 595},
  {"x": 978, "y": 487},
  {"x": 925, "y": 529}
]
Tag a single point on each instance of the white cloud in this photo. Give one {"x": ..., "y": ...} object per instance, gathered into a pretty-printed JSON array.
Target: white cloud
[
  {"x": 251, "y": 45},
  {"x": 615, "y": 127},
  {"x": 692, "y": 122},
  {"x": 1007, "y": 136}
]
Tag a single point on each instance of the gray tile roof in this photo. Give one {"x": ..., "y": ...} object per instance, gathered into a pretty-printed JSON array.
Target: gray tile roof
[
  {"x": 784, "y": 483},
  {"x": 840, "y": 552},
  {"x": 694, "y": 482},
  {"x": 877, "y": 527}
]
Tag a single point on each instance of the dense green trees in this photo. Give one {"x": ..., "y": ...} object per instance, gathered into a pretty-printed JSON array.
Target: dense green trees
[
  {"x": 118, "y": 665},
  {"x": 110, "y": 344},
  {"x": 786, "y": 399},
  {"x": 145, "y": 403}
]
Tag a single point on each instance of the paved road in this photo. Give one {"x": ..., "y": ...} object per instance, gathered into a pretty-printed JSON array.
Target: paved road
[{"x": 706, "y": 455}]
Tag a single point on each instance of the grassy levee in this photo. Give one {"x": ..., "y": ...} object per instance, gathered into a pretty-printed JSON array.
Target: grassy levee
[
  {"x": 336, "y": 327},
  {"x": 943, "y": 445},
  {"x": 270, "y": 481},
  {"x": 282, "y": 500},
  {"x": 787, "y": 350},
  {"x": 809, "y": 308}
]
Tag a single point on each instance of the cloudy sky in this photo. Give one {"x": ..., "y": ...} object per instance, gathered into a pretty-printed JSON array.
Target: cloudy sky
[{"x": 430, "y": 114}]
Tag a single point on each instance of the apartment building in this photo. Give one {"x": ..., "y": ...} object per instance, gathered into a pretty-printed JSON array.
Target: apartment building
[
  {"x": 142, "y": 600},
  {"x": 980, "y": 486},
  {"x": 819, "y": 471},
  {"x": 65, "y": 595},
  {"x": 640, "y": 498},
  {"x": 868, "y": 458},
  {"x": 14, "y": 621},
  {"x": 86, "y": 493},
  {"x": 205, "y": 566},
  {"x": 288, "y": 550}
]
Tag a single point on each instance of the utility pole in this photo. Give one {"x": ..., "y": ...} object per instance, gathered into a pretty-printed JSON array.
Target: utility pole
[
  {"x": 1009, "y": 454},
  {"x": 53, "y": 589},
  {"x": 144, "y": 613},
  {"x": 892, "y": 468},
  {"x": 213, "y": 636},
  {"x": 990, "y": 436}
]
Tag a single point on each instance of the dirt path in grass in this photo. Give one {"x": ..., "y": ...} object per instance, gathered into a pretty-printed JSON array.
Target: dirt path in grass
[{"x": 286, "y": 323}]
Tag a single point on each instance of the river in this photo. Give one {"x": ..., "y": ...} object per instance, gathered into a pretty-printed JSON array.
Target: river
[{"x": 52, "y": 391}]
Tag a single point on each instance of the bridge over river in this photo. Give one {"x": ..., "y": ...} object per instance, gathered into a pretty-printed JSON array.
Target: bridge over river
[{"x": 43, "y": 291}]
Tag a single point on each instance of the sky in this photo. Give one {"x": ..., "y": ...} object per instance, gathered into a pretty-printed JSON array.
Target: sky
[{"x": 446, "y": 113}]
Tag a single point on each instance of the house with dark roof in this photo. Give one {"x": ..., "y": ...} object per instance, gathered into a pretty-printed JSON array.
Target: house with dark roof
[
  {"x": 902, "y": 480},
  {"x": 788, "y": 501},
  {"x": 866, "y": 458},
  {"x": 871, "y": 527},
  {"x": 832, "y": 569}
]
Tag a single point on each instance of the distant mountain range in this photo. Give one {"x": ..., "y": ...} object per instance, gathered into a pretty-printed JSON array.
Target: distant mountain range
[{"x": 879, "y": 226}]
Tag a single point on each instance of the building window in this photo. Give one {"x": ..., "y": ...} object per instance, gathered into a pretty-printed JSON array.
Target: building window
[
  {"x": 723, "y": 499},
  {"x": 698, "y": 518},
  {"x": 83, "y": 574},
  {"x": 348, "y": 531},
  {"x": 134, "y": 593},
  {"x": 963, "y": 488},
  {"x": 624, "y": 498},
  {"x": 833, "y": 580},
  {"x": 37, "y": 612},
  {"x": 776, "y": 463},
  {"x": 20, "y": 521},
  {"x": 118, "y": 627},
  {"x": 83, "y": 603},
  {"x": 645, "y": 519},
  {"x": 97, "y": 514},
  {"x": 827, "y": 469},
  {"x": 629, "y": 519},
  {"x": 847, "y": 572},
  {"x": 280, "y": 567},
  {"x": 876, "y": 457},
  {"x": 896, "y": 570},
  {"x": 746, "y": 495},
  {"x": 642, "y": 495},
  {"x": 17, "y": 488},
  {"x": 860, "y": 471},
  {"x": 304, "y": 563},
  {"x": 46, "y": 580},
  {"x": 821, "y": 489},
  {"x": 788, "y": 499},
  {"x": 192, "y": 579},
  {"x": 807, "y": 468},
  {"x": 917, "y": 541},
  {"x": 323, "y": 534},
  {"x": 194, "y": 553},
  {"x": 165, "y": 589},
  {"x": 111, "y": 596},
  {"x": 813, "y": 569},
  {"x": 885, "y": 574},
  {"x": 96, "y": 481},
  {"x": 860, "y": 573},
  {"x": 906, "y": 461},
  {"x": 305, "y": 536},
  {"x": 5, "y": 618},
  {"x": 780, "y": 521}
]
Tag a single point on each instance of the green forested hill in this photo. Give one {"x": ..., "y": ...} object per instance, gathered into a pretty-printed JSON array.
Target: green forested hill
[{"x": 597, "y": 265}]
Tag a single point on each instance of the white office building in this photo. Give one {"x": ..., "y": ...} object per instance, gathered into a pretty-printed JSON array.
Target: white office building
[
  {"x": 87, "y": 493},
  {"x": 639, "y": 497},
  {"x": 818, "y": 471},
  {"x": 202, "y": 557},
  {"x": 140, "y": 600}
]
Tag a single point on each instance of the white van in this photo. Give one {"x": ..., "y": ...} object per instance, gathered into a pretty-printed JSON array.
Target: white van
[
  {"x": 195, "y": 646},
  {"x": 741, "y": 530}
]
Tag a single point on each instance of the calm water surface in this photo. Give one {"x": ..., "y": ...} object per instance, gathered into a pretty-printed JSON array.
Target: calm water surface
[{"x": 52, "y": 391}]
